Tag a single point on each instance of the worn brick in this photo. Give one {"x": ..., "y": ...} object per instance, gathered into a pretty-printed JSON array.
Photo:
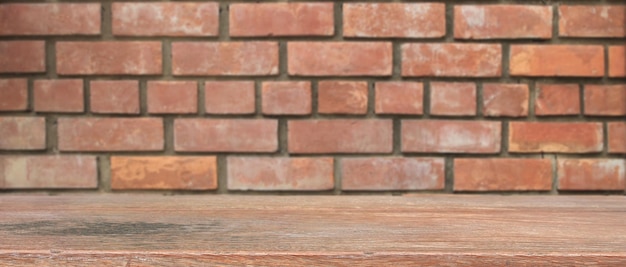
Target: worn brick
[
  {"x": 109, "y": 58},
  {"x": 286, "y": 98},
  {"x": 172, "y": 97},
  {"x": 592, "y": 174},
  {"x": 450, "y": 136},
  {"x": 225, "y": 58},
  {"x": 617, "y": 61},
  {"x": 558, "y": 137},
  {"x": 225, "y": 135},
  {"x": 339, "y": 136},
  {"x": 399, "y": 98},
  {"x": 270, "y": 173},
  {"x": 229, "y": 97},
  {"x": 164, "y": 173},
  {"x": 339, "y": 58},
  {"x": 110, "y": 134},
  {"x": 52, "y": 172},
  {"x": 22, "y": 133},
  {"x": 451, "y": 60},
  {"x": 557, "y": 60},
  {"x": 50, "y": 19},
  {"x": 605, "y": 100},
  {"x": 592, "y": 20},
  {"x": 65, "y": 96},
  {"x": 165, "y": 19},
  {"x": 557, "y": 99},
  {"x": 502, "y": 22},
  {"x": 509, "y": 100},
  {"x": 13, "y": 94},
  {"x": 114, "y": 97},
  {"x": 452, "y": 98},
  {"x": 281, "y": 19},
  {"x": 22, "y": 56},
  {"x": 617, "y": 137},
  {"x": 502, "y": 174},
  {"x": 404, "y": 20},
  {"x": 342, "y": 97},
  {"x": 374, "y": 174}
]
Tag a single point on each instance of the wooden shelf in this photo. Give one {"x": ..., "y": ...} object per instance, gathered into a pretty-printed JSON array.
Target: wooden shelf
[{"x": 237, "y": 230}]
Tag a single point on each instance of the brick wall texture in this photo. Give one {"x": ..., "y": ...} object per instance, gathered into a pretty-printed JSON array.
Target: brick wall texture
[{"x": 329, "y": 97}]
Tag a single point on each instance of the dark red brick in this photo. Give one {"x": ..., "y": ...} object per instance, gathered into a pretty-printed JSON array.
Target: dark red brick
[
  {"x": 502, "y": 174},
  {"x": 65, "y": 96},
  {"x": 339, "y": 136},
  {"x": 342, "y": 97},
  {"x": 110, "y": 134}
]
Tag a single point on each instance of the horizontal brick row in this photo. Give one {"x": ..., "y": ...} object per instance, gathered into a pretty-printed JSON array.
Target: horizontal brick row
[
  {"x": 314, "y": 173},
  {"x": 365, "y": 20},
  {"x": 312, "y": 136},
  {"x": 347, "y": 58},
  {"x": 295, "y": 98}
]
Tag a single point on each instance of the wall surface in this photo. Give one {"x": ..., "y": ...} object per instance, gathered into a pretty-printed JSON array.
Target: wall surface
[{"x": 326, "y": 97}]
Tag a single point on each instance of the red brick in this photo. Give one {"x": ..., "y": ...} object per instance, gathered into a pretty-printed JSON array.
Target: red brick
[
  {"x": 509, "y": 100},
  {"x": 342, "y": 97},
  {"x": 225, "y": 58},
  {"x": 281, "y": 19},
  {"x": 114, "y": 97},
  {"x": 171, "y": 97},
  {"x": 339, "y": 136},
  {"x": 502, "y": 174},
  {"x": 110, "y": 134},
  {"x": 339, "y": 58},
  {"x": 286, "y": 98},
  {"x": 374, "y": 174},
  {"x": 169, "y": 173},
  {"x": 109, "y": 58},
  {"x": 453, "y": 98},
  {"x": 617, "y": 137},
  {"x": 224, "y": 135},
  {"x": 13, "y": 94},
  {"x": 399, "y": 98},
  {"x": 22, "y": 133},
  {"x": 50, "y": 19},
  {"x": 404, "y": 20},
  {"x": 502, "y": 22},
  {"x": 22, "y": 56},
  {"x": 592, "y": 174},
  {"x": 592, "y": 21},
  {"x": 65, "y": 96},
  {"x": 558, "y": 137},
  {"x": 606, "y": 100},
  {"x": 450, "y": 136},
  {"x": 264, "y": 174},
  {"x": 617, "y": 61},
  {"x": 557, "y": 60},
  {"x": 451, "y": 60},
  {"x": 37, "y": 172},
  {"x": 557, "y": 99},
  {"x": 229, "y": 97},
  {"x": 165, "y": 19}
]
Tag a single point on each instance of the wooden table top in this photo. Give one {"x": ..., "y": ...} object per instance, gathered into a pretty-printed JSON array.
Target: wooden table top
[{"x": 239, "y": 230}]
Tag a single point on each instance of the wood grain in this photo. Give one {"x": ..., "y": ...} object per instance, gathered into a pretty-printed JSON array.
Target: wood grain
[{"x": 429, "y": 230}]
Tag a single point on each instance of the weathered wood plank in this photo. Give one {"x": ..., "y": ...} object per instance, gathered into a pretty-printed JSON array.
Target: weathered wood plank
[{"x": 442, "y": 230}]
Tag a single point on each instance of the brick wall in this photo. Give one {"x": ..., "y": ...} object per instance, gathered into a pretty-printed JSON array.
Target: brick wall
[{"x": 330, "y": 97}]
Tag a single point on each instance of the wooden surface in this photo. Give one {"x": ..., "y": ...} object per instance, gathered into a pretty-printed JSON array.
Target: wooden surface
[{"x": 425, "y": 230}]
